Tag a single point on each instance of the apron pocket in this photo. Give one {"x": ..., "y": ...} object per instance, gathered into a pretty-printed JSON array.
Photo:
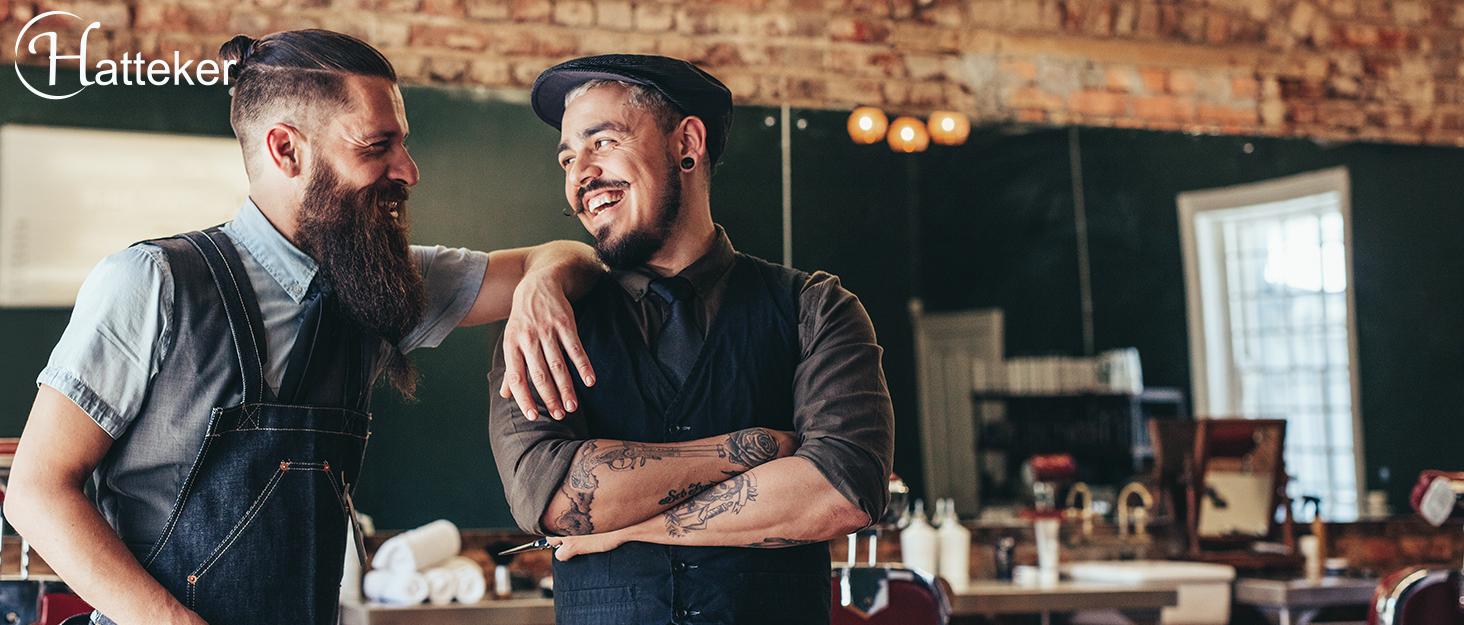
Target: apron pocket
[
  {"x": 782, "y": 598},
  {"x": 297, "y": 514},
  {"x": 594, "y": 606}
]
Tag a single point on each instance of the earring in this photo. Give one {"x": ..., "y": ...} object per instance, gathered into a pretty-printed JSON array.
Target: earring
[
  {"x": 568, "y": 212},
  {"x": 688, "y": 163}
]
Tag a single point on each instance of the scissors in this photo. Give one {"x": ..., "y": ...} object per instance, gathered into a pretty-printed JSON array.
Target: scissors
[{"x": 542, "y": 543}]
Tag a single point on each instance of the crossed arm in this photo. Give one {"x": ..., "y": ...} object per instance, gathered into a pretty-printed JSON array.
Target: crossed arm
[
  {"x": 832, "y": 483},
  {"x": 642, "y": 479},
  {"x": 783, "y": 503}
]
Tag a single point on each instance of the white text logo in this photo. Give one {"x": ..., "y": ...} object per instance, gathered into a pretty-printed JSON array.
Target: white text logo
[{"x": 128, "y": 71}]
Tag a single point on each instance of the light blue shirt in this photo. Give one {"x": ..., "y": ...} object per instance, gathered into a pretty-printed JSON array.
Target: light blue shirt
[{"x": 121, "y": 328}]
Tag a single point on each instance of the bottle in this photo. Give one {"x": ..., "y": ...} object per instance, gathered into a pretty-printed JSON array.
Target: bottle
[
  {"x": 918, "y": 542},
  {"x": 1004, "y": 551},
  {"x": 955, "y": 548}
]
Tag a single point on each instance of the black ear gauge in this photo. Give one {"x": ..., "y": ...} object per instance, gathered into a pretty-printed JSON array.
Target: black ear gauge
[
  {"x": 567, "y": 212},
  {"x": 688, "y": 163}
]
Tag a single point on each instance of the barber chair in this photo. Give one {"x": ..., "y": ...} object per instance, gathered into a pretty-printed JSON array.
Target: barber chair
[
  {"x": 887, "y": 593},
  {"x": 1416, "y": 595}
]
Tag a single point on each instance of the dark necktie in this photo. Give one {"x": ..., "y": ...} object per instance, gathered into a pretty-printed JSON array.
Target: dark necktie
[
  {"x": 316, "y": 328},
  {"x": 680, "y": 341}
]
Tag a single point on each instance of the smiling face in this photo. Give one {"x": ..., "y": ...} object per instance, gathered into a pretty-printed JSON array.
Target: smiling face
[
  {"x": 620, "y": 176},
  {"x": 353, "y": 213},
  {"x": 366, "y": 142}
]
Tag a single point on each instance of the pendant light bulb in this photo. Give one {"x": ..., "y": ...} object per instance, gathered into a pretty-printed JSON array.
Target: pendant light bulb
[
  {"x": 947, "y": 128},
  {"x": 867, "y": 125},
  {"x": 908, "y": 134}
]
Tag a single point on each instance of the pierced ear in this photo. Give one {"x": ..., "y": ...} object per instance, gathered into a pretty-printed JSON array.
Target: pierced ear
[
  {"x": 692, "y": 134},
  {"x": 283, "y": 145}
]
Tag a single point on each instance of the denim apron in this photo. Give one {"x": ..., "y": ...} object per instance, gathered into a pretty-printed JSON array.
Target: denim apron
[
  {"x": 743, "y": 378},
  {"x": 258, "y": 530}
]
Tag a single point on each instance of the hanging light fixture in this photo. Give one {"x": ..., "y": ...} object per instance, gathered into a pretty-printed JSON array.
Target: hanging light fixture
[
  {"x": 867, "y": 125},
  {"x": 947, "y": 128},
  {"x": 907, "y": 134}
]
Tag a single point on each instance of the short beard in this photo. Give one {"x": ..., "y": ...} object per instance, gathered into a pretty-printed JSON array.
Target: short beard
[
  {"x": 364, "y": 256},
  {"x": 636, "y": 247}
]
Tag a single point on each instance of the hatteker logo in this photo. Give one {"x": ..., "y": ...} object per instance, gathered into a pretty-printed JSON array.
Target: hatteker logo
[{"x": 129, "y": 71}]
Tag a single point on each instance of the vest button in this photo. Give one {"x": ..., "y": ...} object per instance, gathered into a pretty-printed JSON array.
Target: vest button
[
  {"x": 681, "y": 614},
  {"x": 679, "y": 567}
]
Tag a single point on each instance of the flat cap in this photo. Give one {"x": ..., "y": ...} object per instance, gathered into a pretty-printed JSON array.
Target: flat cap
[{"x": 688, "y": 88}]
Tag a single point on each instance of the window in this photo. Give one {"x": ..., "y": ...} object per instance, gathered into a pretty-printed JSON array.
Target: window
[{"x": 1267, "y": 274}]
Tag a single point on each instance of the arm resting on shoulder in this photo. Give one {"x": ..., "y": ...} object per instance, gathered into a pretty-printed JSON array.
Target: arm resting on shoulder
[
  {"x": 783, "y": 503},
  {"x": 59, "y": 449},
  {"x": 533, "y": 288}
]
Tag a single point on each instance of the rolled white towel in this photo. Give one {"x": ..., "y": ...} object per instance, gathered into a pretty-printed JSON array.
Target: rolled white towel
[
  {"x": 441, "y": 585},
  {"x": 393, "y": 587},
  {"x": 471, "y": 585},
  {"x": 419, "y": 549}
]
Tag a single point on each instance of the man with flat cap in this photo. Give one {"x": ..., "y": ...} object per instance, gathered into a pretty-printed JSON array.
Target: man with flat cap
[{"x": 740, "y": 418}]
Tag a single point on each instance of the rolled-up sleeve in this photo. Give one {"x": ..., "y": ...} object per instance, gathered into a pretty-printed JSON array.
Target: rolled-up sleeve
[
  {"x": 119, "y": 333},
  {"x": 533, "y": 456},
  {"x": 842, "y": 404},
  {"x": 452, "y": 278}
]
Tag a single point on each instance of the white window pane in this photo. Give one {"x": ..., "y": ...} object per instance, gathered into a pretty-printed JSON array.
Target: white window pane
[
  {"x": 1337, "y": 347},
  {"x": 1310, "y": 350},
  {"x": 1286, "y": 295},
  {"x": 1332, "y": 227},
  {"x": 1306, "y": 393},
  {"x": 1342, "y": 433},
  {"x": 1334, "y": 267},
  {"x": 1306, "y": 311},
  {"x": 1339, "y": 389}
]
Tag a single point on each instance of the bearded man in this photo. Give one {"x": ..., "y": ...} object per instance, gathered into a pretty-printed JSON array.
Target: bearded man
[
  {"x": 741, "y": 419},
  {"x": 217, "y": 383}
]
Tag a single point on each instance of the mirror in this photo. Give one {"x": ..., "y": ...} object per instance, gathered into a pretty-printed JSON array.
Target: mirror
[{"x": 1238, "y": 481}]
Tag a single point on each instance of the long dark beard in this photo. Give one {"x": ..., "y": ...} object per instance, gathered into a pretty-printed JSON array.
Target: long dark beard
[
  {"x": 636, "y": 247},
  {"x": 364, "y": 256}
]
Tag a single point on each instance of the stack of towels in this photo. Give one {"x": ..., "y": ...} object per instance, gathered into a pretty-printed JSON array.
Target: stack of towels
[{"x": 423, "y": 565}]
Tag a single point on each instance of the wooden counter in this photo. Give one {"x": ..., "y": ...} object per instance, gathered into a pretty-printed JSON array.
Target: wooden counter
[
  {"x": 980, "y": 598},
  {"x": 524, "y": 609},
  {"x": 992, "y": 597}
]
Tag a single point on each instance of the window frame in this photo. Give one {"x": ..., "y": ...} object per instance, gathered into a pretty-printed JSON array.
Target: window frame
[{"x": 1209, "y": 326}]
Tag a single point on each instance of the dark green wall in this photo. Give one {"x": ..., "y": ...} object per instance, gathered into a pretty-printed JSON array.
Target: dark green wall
[
  {"x": 997, "y": 230},
  {"x": 988, "y": 223}
]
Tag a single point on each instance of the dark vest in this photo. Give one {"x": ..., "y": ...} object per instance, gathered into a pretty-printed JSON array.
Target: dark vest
[
  {"x": 257, "y": 531},
  {"x": 743, "y": 378}
]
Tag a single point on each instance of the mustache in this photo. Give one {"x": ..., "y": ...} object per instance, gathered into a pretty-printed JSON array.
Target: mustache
[
  {"x": 595, "y": 185},
  {"x": 390, "y": 192}
]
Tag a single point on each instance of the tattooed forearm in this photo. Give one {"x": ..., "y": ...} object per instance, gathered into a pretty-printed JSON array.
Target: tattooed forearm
[
  {"x": 729, "y": 496},
  {"x": 744, "y": 448},
  {"x": 691, "y": 490},
  {"x": 774, "y": 543},
  {"x": 576, "y": 520},
  {"x": 751, "y": 448},
  {"x": 579, "y": 488}
]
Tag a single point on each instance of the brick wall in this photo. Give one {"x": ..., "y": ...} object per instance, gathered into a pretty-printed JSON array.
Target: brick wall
[{"x": 1374, "y": 70}]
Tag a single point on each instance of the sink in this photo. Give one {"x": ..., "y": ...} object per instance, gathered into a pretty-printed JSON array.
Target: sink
[
  {"x": 1149, "y": 571},
  {"x": 1203, "y": 589}
]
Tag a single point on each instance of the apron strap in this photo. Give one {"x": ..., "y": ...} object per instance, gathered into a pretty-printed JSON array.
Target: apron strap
[{"x": 240, "y": 307}]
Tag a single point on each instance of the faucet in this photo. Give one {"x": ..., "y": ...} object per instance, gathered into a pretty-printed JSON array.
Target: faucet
[
  {"x": 1086, "y": 512},
  {"x": 1140, "y": 512}
]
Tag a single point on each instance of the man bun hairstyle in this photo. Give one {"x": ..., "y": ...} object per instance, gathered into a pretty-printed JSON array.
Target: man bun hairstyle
[{"x": 295, "y": 77}]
